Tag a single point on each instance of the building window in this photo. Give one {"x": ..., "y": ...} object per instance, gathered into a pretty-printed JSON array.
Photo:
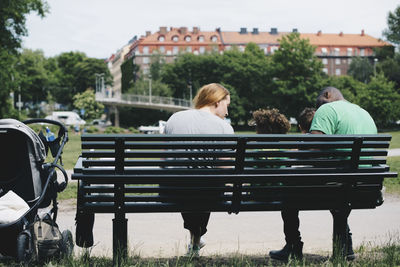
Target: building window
[
  {"x": 162, "y": 49},
  {"x": 169, "y": 52},
  {"x": 201, "y": 38},
  {"x": 145, "y": 50},
  {"x": 145, "y": 70},
  {"x": 349, "y": 61},
  {"x": 324, "y": 50},
  {"x": 175, "y": 38},
  {"x": 325, "y": 70},
  {"x": 161, "y": 38},
  {"x": 188, "y": 38},
  {"x": 175, "y": 50},
  {"x": 349, "y": 52},
  {"x": 228, "y": 47},
  {"x": 325, "y": 61},
  {"x": 195, "y": 52},
  {"x": 146, "y": 60},
  {"x": 214, "y": 39},
  {"x": 337, "y": 51},
  {"x": 337, "y": 61},
  {"x": 189, "y": 49},
  {"x": 338, "y": 72},
  {"x": 273, "y": 49},
  {"x": 241, "y": 48},
  {"x": 362, "y": 52},
  {"x": 202, "y": 49}
]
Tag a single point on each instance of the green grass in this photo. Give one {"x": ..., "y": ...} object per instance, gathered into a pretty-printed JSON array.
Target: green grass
[
  {"x": 395, "y": 143},
  {"x": 393, "y": 184},
  {"x": 387, "y": 254}
]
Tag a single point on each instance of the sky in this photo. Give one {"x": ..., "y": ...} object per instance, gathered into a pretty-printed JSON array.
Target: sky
[{"x": 100, "y": 27}]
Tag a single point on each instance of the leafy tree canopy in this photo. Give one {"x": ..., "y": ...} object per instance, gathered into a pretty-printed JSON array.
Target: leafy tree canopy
[
  {"x": 297, "y": 74},
  {"x": 87, "y": 101},
  {"x": 13, "y": 19},
  {"x": 361, "y": 69},
  {"x": 392, "y": 33}
]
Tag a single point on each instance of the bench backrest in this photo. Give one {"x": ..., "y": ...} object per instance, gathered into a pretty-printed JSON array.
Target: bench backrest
[{"x": 149, "y": 173}]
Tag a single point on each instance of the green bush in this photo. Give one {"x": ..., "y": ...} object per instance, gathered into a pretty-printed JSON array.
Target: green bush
[
  {"x": 115, "y": 130},
  {"x": 133, "y": 130},
  {"x": 92, "y": 129}
]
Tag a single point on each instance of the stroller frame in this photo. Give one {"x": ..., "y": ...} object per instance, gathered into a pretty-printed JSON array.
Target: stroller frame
[{"x": 23, "y": 247}]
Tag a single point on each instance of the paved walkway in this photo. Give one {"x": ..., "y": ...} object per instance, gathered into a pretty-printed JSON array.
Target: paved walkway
[{"x": 162, "y": 234}]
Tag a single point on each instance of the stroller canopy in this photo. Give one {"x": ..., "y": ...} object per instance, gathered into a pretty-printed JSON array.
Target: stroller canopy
[{"x": 38, "y": 146}]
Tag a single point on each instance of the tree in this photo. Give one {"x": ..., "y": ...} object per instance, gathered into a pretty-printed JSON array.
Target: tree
[
  {"x": 381, "y": 100},
  {"x": 33, "y": 78},
  {"x": 12, "y": 29},
  {"x": 87, "y": 101},
  {"x": 13, "y": 19},
  {"x": 361, "y": 69},
  {"x": 391, "y": 68},
  {"x": 75, "y": 72},
  {"x": 392, "y": 33},
  {"x": 297, "y": 75}
]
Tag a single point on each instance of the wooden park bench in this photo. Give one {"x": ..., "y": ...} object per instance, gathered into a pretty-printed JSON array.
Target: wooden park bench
[{"x": 122, "y": 174}]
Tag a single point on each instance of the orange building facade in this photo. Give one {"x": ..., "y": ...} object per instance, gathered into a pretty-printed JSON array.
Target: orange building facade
[{"x": 335, "y": 50}]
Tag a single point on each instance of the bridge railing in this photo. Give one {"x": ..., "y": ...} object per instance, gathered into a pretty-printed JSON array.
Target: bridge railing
[
  {"x": 162, "y": 100},
  {"x": 145, "y": 99}
]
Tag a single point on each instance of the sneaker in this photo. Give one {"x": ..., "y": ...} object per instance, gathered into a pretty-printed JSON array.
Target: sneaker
[{"x": 193, "y": 251}]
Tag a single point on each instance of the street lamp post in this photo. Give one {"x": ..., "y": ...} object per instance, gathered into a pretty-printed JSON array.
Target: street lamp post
[
  {"x": 150, "y": 87},
  {"x": 375, "y": 61}
]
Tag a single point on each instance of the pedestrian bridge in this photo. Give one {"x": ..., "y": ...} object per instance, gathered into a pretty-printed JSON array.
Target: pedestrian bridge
[{"x": 144, "y": 101}]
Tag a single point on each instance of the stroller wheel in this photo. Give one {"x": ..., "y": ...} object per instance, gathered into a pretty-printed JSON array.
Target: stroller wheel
[
  {"x": 67, "y": 245},
  {"x": 24, "y": 248}
]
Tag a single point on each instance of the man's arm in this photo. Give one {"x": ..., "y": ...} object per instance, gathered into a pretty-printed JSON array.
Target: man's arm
[{"x": 317, "y": 132}]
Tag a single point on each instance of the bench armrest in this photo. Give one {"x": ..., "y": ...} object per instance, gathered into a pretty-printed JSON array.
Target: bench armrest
[{"x": 78, "y": 165}]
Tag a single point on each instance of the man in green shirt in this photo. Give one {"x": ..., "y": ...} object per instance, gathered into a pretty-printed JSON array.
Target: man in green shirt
[{"x": 334, "y": 115}]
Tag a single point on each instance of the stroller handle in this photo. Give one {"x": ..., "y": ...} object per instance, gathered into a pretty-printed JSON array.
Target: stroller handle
[{"x": 63, "y": 129}]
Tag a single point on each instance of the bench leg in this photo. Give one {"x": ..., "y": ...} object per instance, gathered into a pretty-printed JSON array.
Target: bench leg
[
  {"x": 340, "y": 233},
  {"x": 120, "y": 239}
]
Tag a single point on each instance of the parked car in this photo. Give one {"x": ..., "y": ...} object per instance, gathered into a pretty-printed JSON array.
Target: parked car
[
  {"x": 154, "y": 129},
  {"x": 66, "y": 117},
  {"x": 101, "y": 123}
]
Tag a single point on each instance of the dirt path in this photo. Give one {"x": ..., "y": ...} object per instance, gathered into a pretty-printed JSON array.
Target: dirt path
[{"x": 162, "y": 235}]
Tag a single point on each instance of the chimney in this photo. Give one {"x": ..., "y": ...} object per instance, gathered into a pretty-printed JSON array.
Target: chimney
[
  {"x": 295, "y": 30},
  {"x": 362, "y": 33},
  {"x": 243, "y": 31},
  {"x": 182, "y": 30},
  {"x": 148, "y": 33},
  {"x": 319, "y": 33},
  {"x": 274, "y": 31},
  {"x": 341, "y": 34},
  {"x": 196, "y": 30},
  {"x": 255, "y": 31},
  {"x": 163, "y": 30}
]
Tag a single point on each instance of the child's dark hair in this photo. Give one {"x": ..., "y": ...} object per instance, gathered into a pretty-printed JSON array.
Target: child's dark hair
[
  {"x": 270, "y": 121},
  {"x": 305, "y": 119}
]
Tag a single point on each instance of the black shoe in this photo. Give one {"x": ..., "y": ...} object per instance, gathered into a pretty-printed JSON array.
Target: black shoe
[{"x": 289, "y": 250}]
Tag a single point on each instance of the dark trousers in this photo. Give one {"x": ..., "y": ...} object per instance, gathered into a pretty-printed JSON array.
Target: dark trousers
[
  {"x": 196, "y": 222},
  {"x": 291, "y": 225}
]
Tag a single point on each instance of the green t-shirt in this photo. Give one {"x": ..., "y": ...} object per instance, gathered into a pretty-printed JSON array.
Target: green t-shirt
[{"x": 342, "y": 117}]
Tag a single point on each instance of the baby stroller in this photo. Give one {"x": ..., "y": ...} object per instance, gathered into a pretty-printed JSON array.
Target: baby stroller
[{"x": 23, "y": 171}]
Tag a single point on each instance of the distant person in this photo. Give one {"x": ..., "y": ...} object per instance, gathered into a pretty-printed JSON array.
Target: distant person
[
  {"x": 270, "y": 121},
  {"x": 334, "y": 115},
  {"x": 211, "y": 107},
  {"x": 305, "y": 119}
]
